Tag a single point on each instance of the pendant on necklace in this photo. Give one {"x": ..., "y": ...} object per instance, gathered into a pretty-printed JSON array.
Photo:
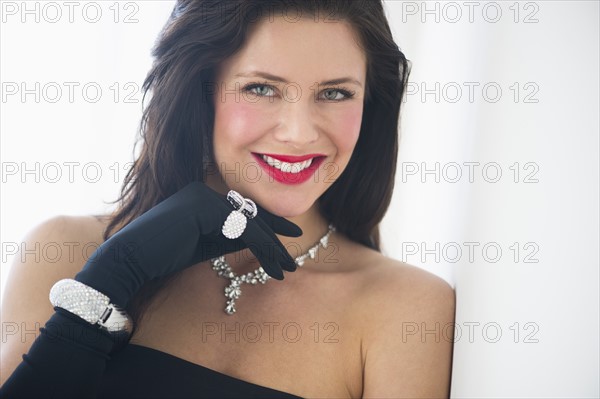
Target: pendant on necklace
[{"x": 234, "y": 289}]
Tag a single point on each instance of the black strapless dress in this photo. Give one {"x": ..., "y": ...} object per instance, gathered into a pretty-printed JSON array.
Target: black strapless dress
[{"x": 141, "y": 372}]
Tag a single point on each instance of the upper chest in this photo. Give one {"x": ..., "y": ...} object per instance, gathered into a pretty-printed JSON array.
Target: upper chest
[{"x": 297, "y": 335}]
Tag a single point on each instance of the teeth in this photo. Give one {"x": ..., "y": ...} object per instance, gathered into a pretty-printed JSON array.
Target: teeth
[{"x": 287, "y": 167}]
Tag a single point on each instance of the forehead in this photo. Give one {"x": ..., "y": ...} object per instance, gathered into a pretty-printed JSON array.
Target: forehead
[{"x": 300, "y": 49}]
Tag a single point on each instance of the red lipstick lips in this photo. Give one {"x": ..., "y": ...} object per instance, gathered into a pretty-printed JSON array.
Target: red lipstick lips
[
  {"x": 293, "y": 158},
  {"x": 280, "y": 176}
]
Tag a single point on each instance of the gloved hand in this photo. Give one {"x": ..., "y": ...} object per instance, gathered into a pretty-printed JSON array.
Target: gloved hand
[{"x": 182, "y": 230}]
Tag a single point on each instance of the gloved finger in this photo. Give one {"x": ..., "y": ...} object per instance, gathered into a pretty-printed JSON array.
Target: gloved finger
[
  {"x": 217, "y": 247},
  {"x": 270, "y": 257},
  {"x": 288, "y": 263},
  {"x": 278, "y": 224}
]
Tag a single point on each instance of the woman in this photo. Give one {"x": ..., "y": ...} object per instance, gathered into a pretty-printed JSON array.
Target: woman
[{"x": 294, "y": 106}]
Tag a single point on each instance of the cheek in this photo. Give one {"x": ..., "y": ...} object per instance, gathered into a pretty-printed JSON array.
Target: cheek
[
  {"x": 347, "y": 129},
  {"x": 237, "y": 124}
]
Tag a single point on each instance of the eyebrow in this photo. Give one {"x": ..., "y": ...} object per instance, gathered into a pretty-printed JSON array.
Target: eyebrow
[{"x": 269, "y": 76}]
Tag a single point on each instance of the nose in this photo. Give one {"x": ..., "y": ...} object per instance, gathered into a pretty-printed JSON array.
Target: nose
[{"x": 298, "y": 125}]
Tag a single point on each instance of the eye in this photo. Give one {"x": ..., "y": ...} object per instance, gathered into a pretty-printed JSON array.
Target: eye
[
  {"x": 262, "y": 91},
  {"x": 333, "y": 94}
]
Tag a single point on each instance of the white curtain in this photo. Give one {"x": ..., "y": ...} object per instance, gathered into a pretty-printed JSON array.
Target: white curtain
[{"x": 497, "y": 181}]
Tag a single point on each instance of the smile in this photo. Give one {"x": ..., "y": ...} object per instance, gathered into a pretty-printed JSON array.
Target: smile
[{"x": 289, "y": 169}]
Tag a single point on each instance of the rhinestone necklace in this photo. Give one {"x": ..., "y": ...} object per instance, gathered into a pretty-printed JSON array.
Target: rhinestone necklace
[{"x": 234, "y": 289}]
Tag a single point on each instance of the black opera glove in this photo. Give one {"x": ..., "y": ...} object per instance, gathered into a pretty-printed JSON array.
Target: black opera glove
[
  {"x": 182, "y": 230},
  {"x": 68, "y": 358}
]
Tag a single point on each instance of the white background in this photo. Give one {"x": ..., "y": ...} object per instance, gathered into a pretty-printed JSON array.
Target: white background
[{"x": 527, "y": 316}]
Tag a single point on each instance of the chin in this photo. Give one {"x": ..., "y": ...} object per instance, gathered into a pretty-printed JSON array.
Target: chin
[{"x": 286, "y": 209}]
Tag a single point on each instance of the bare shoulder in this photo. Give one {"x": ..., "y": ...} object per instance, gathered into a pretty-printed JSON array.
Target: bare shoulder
[
  {"x": 395, "y": 286},
  {"x": 54, "y": 249},
  {"x": 408, "y": 284},
  {"x": 408, "y": 315},
  {"x": 59, "y": 244}
]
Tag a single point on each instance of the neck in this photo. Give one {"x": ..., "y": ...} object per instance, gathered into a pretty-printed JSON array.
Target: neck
[{"x": 313, "y": 226}]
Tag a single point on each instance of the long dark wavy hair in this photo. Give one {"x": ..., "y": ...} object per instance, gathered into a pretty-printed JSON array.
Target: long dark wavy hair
[{"x": 177, "y": 124}]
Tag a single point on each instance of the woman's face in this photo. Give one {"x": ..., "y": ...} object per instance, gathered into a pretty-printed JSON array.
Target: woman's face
[{"x": 282, "y": 135}]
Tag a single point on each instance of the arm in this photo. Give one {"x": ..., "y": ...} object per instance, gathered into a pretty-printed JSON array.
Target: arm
[
  {"x": 69, "y": 356},
  {"x": 409, "y": 337},
  {"x": 26, "y": 308}
]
